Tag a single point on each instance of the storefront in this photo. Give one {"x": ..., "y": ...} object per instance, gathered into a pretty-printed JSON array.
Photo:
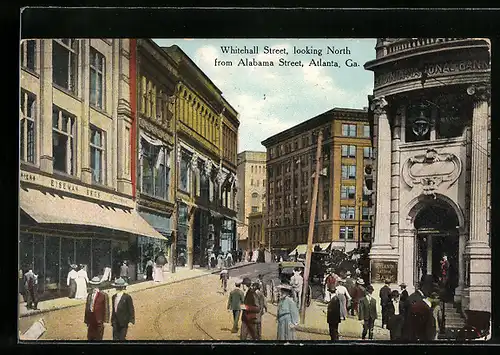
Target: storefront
[
  {"x": 228, "y": 235},
  {"x": 64, "y": 223},
  {"x": 149, "y": 248}
]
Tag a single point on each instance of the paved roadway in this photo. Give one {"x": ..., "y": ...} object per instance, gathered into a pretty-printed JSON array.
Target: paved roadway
[{"x": 189, "y": 310}]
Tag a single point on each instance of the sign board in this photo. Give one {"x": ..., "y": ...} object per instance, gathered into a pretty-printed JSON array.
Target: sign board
[{"x": 382, "y": 270}]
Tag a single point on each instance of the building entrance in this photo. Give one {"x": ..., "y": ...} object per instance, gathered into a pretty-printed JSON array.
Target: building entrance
[{"x": 437, "y": 237}]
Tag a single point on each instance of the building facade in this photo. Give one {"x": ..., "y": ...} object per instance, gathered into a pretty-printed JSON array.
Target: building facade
[
  {"x": 431, "y": 110},
  {"x": 256, "y": 230},
  {"x": 343, "y": 210},
  {"x": 76, "y": 174},
  {"x": 252, "y": 180},
  {"x": 206, "y": 181}
]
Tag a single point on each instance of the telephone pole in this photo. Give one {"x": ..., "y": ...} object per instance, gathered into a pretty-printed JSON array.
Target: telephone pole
[{"x": 311, "y": 229}]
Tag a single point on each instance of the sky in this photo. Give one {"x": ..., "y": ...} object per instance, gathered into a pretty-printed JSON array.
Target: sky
[{"x": 271, "y": 99}]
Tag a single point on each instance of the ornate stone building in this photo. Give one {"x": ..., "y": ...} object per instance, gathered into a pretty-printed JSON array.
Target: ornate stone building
[
  {"x": 76, "y": 146},
  {"x": 431, "y": 117}
]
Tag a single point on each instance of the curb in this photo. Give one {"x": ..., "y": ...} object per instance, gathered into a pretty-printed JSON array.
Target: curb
[{"x": 42, "y": 311}]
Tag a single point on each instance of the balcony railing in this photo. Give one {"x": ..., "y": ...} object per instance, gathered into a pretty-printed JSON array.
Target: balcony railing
[{"x": 411, "y": 43}]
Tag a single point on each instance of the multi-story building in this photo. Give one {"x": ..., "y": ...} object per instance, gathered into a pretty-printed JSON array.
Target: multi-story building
[
  {"x": 207, "y": 137},
  {"x": 431, "y": 114},
  {"x": 252, "y": 181},
  {"x": 77, "y": 176},
  {"x": 343, "y": 210},
  {"x": 256, "y": 230}
]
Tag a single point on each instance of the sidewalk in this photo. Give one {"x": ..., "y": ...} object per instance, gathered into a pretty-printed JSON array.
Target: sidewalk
[
  {"x": 315, "y": 322},
  {"x": 181, "y": 274}
]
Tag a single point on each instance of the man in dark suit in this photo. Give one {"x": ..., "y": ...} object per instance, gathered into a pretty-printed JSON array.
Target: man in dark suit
[
  {"x": 123, "y": 310},
  {"x": 368, "y": 312},
  {"x": 96, "y": 311},
  {"x": 384, "y": 294},
  {"x": 333, "y": 315},
  {"x": 31, "y": 289},
  {"x": 423, "y": 290},
  {"x": 404, "y": 294},
  {"x": 250, "y": 315},
  {"x": 422, "y": 324},
  {"x": 395, "y": 316}
]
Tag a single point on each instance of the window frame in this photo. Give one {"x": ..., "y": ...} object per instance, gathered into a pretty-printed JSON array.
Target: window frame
[
  {"x": 185, "y": 158},
  {"x": 25, "y": 119},
  {"x": 102, "y": 150},
  {"x": 345, "y": 232},
  {"x": 25, "y": 54},
  {"x": 74, "y": 50},
  {"x": 71, "y": 136},
  {"x": 366, "y": 131},
  {"x": 95, "y": 57},
  {"x": 146, "y": 153}
]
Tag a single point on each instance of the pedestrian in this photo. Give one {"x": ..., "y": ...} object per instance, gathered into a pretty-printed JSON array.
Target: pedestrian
[
  {"x": 333, "y": 315},
  {"x": 404, "y": 294},
  {"x": 236, "y": 299},
  {"x": 224, "y": 276},
  {"x": 395, "y": 319},
  {"x": 250, "y": 255},
  {"x": 158, "y": 268},
  {"x": 297, "y": 282},
  {"x": 220, "y": 261},
  {"x": 263, "y": 308},
  {"x": 81, "y": 283},
  {"x": 250, "y": 314},
  {"x": 20, "y": 284},
  {"x": 96, "y": 311},
  {"x": 296, "y": 255},
  {"x": 123, "y": 310},
  {"x": 287, "y": 315},
  {"x": 31, "y": 288},
  {"x": 368, "y": 313},
  {"x": 422, "y": 324},
  {"x": 229, "y": 259},
  {"x": 71, "y": 280},
  {"x": 262, "y": 286},
  {"x": 124, "y": 271},
  {"x": 149, "y": 270},
  {"x": 384, "y": 294},
  {"x": 344, "y": 297},
  {"x": 330, "y": 283},
  {"x": 418, "y": 296}
]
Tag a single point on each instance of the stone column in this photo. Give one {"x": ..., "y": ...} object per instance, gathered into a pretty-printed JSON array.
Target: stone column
[
  {"x": 85, "y": 121},
  {"x": 477, "y": 249},
  {"x": 381, "y": 247},
  {"x": 46, "y": 158},
  {"x": 395, "y": 173},
  {"x": 407, "y": 261}
]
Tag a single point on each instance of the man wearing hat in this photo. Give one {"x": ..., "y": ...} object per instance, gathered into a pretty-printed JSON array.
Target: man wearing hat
[
  {"x": 262, "y": 305},
  {"x": 368, "y": 313},
  {"x": 123, "y": 310},
  {"x": 385, "y": 295},
  {"x": 420, "y": 293},
  {"x": 31, "y": 289},
  {"x": 250, "y": 314},
  {"x": 333, "y": 315},
  {"x": 357, "y": 294},
  {"x": 330, "y": 282},
  {"x": 96, "y": 311},
  {"x": 71, "y": 280},
  {"x": 394, "y": 311},
  {"x": 236, "y": 299}
]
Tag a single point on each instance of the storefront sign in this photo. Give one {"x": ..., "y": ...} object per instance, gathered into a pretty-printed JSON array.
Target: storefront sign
[
  {"x": 384, "y": 270},
  {"x": 76, "y": 189},
  {"x": 431, "y": 70}
]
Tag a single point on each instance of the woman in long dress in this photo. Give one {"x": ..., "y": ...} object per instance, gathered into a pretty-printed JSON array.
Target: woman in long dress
[
  {"x": 71, "y": 281},
  {"x": 158, "y": 268},
  {"x": 149, "y": 270},
  {"x": 288, "y": 315},
  {"x": 343, "y": 296},
  {"x": 81, "y": 283}
]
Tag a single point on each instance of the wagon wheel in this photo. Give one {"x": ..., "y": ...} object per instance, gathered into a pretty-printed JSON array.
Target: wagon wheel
[{"x": 308, "y": 296}]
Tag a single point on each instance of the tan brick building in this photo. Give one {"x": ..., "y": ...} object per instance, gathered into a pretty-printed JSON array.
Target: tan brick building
[{"x": 252, "y": 179}]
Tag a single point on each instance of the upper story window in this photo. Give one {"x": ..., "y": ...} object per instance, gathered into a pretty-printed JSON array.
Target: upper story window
[
  {"x": 367, "y": 152},
  {"x": 97, "y": 157},
  {"x": 184, "y": 176},
  {"x": 348, "y": 172},
  {"x": 349, "y": 130},
  {"x": 155, "y": 170},
  {"x": 28, "y": 54},
  {"x": 366, "y": 131},
  {"x": 347, "y": 192},
  {"x": 65, "y": 64},
  {"x": 27, "y": 129},
  {"x": 346, "y": 232},
  {"x": 271, "y": 153},
  {"x": 97, "y": 78},
  {"x": 63, "y": 142},
  {"x": 365, "y": 213},
  {"x": 348, "y": 151},
  {"x": 347, "y": 212}
]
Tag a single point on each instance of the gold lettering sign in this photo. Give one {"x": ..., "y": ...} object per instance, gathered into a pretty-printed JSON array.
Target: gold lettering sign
[
  {"x": 431, "y": 70},
  {"x": 384, "y": 270}
]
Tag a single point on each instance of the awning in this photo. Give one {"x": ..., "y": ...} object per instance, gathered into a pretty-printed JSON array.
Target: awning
[
  {"x": 302, "y": 248},
  {"x": 50, "y": 208}
]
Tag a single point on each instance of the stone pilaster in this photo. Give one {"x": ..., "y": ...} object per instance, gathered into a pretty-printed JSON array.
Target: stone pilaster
[
  {"x": 395, "y": 174},
  {"x": 85, "y": 121},
  {"x": 477, "y": 249},
  {"x": 46, "y": 157},
  {"x": 461, "y": 264},
  {"x": 190, "y": 239},
  {"x": 406, "y": 267}
]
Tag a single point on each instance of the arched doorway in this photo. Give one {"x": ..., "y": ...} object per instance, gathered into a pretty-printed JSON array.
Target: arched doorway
[{"x": 437, "y": 225}]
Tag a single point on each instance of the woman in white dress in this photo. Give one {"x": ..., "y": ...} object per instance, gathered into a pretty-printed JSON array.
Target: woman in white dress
[
  {"x": 81, "y": 283},
  {"x": 343, "y": 296}
]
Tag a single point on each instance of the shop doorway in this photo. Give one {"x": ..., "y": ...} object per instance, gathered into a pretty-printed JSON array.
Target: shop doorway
[{"x": 437, "y": 236}]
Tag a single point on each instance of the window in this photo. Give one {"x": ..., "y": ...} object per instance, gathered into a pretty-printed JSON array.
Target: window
[
  {"x": 184, "y": 180},
  {"x": 251, "y": 169},
  {"x": 366, "y": 131},
  {"x": 27, "y": 128},
  {"x": 97, "y": 82},
  {"x": 349, "y": 130},
  {"x": 347, "y": 192},
  {"x": 63, "y": 144},
  {"x": 348, "y": 172},
  {"x": 346, "y": 232},
  {"x": 65, "y": 64},
  {"x": 155, "y": 170},
  {"x": 365, "y": 213},
  {"x": 368, "y": 152},
  {"x": 264, "y": 183},
  {"x": 347, "y": 212},
  {"x": 28, "y": 54},
  {"x": 366, "y": 233},
  {"x": 255, "y": 209},
  {"x": 271, "y": 153},
  {"x": 97, "y": 154},
  {"x": 349, "y": 151}
]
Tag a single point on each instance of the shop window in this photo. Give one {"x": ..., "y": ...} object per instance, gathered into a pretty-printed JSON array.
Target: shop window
[
  {"x": 101, "y": 256},
  {"x": 67, "y": 258},
  {"x": 97, "y": 81},
  {"x": 25, "y": 251},
  {"x": 27, "y": 129},
  {"x": 63, "y": 143},
  {"x": 346, "y": 232},
  {"x": 120, "y": 253},
  {"x": 83, "y": 254},
  {"x": 65, "y": 64},
  {"x": 53, "y": 265},
  {"x": 28, "y": 54},
  {"x": 418, "y": 123},
  {"x": 366, "y": 233},
  {"x": 38, "y": 260}
]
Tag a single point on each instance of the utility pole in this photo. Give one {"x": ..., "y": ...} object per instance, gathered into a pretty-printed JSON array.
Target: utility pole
[{"x": 312, "y": 221}]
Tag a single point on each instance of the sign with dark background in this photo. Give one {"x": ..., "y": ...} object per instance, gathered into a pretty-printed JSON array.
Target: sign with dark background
[{"x": 384, "y": 270}]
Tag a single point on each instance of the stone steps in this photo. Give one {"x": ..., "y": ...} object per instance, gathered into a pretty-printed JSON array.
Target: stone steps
[{"x": 453, "y": 318}]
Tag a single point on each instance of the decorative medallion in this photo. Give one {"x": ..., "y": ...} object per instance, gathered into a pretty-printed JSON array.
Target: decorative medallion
[{"x": 421, "y": 125}]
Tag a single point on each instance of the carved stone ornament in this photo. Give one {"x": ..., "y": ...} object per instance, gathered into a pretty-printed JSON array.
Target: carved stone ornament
[
  {"x": 208, "y": 167},
  {"x": 431, "y": 169},
  {"x": 179, "y": 154},
  {"x": 378, "y": 105},
  {"x": 221, "y": 177},
  {"x": 234, "y": 183},
  {"x": 481, "y": 93},
  {"x": 193, "y": 163}
]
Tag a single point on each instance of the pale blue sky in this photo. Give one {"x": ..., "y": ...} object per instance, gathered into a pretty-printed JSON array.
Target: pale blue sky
[{"x": 272, "y": 99}]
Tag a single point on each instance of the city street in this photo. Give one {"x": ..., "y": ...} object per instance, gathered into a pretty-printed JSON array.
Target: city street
[{"x": 190, "y": 310}]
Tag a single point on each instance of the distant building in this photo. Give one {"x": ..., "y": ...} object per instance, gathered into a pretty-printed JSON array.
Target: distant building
[
  {"x": 256, "y": 230},
  {"x": 343, "y": 210},
  {"x": 252, "y": 181}
]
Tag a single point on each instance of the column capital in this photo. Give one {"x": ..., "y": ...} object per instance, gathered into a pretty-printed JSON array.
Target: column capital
[
  {"x": 480, "y": 93},
  {"x": 379, "y": 105}
]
